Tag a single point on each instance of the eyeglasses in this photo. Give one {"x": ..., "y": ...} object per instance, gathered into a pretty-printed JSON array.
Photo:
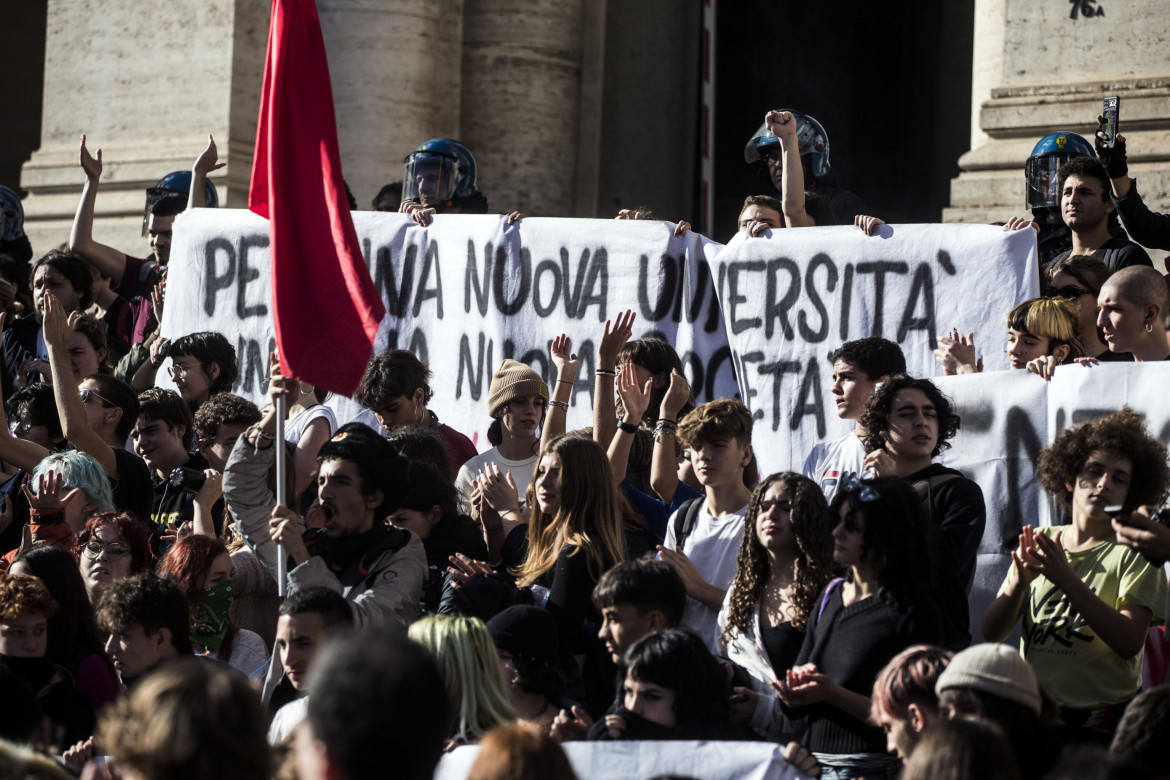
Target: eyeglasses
[
  {"x": 177, "y": 370},
  {"x": 1068, "y": 292},
  {"x": 20, "y": 426},
  {"x": 85, "y": 394},
  {"x": 114, "y": 550},
  {"x": 865, "y": 493}
]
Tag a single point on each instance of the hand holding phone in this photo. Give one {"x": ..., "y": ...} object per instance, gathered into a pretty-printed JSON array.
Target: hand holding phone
[{"x": 1109, "y": 115}]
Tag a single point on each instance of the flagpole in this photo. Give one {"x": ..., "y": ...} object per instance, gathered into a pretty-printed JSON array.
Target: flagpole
[{"x": 281, "y": 491}]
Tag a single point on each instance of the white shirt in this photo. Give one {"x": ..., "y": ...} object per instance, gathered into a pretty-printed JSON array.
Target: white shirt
[
  {"x": 521, "y": 474},
  {"x": 296, "y": 426},
  {"x": 832, "y": 462},
  {"x": 713, "y": 547},
  {"x": 286, "y": 719}
]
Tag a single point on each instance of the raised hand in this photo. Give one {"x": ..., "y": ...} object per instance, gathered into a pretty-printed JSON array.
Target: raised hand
[
  {"x": 956, "y": 354},
  {"x": 635, "y": 398},
  {"x": 563, "y": 358},
  {"x": 207, "y": 161},
  {"x": 90, "y": 164},
  {"x": 617, "y": 333},
  {"x": 54, "y": 322},
  {"x": 678, "y": 393}
]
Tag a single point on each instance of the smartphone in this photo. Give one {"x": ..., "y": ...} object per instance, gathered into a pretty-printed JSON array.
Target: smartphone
[
  {"x": 1109, "y": 112},
  {"x": 1118, "y": 513}
]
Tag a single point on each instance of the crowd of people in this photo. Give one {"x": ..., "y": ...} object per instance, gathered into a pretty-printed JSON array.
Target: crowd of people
[{"x": 635, "y": 580}]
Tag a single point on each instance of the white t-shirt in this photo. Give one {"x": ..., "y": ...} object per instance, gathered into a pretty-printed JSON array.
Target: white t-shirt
[
  {"x": 296, "y": 426},
  {"x": 286, "y": 719},
  {"x": 521, "y": 474},
  {"x": 713, "y": 547},
  {"x": 832, "y": 462}
]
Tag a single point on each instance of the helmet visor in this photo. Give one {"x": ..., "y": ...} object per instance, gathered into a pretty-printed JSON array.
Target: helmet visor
[
  {"x": 1043, "y": 184},
  {"x": 430, "y": 179}
]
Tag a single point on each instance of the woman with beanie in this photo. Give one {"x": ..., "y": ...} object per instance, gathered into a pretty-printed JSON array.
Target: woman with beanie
[{"x": 516, "y": 401}]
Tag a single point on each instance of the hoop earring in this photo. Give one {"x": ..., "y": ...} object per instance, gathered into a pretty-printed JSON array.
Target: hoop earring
[{"x": 1149, "y": 327}]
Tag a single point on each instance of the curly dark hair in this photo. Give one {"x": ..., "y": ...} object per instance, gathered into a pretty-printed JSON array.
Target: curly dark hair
[
  {"x": 896, "y": 533},
  {"x": 813, "y": 556},
  {"x": 876, "y": 417},
  {"x": 1122, "y": 434},
  {"x": 223, "y": 409}
]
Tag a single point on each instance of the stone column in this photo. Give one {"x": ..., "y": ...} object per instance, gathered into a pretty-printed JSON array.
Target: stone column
[
  {"x": 147, "y": 83},
  {"x": 521, "y": 91},
  {"x": 1055, "y": 71},
  {"x": 395, "y": 69}
]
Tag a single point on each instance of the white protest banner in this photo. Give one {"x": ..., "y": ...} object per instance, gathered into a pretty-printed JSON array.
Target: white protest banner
[
  {"x": 642, "y": 760},
  {"x": 1008, "y": 417},
  {"x": 467, "y": 292},
  {"x": 791, "y": 297},
  {"x": 1004, "y": 425}
]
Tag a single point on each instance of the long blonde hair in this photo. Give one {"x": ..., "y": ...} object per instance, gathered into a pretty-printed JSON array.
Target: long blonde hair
[
  {"x": 589, "y": 518},
  {"x": 467, "y": 660}
]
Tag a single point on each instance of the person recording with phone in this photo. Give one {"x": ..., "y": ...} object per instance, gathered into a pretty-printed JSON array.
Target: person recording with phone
[
  {"x": 1085, "y": 598},
  {"x": 1146, "y": 227}
]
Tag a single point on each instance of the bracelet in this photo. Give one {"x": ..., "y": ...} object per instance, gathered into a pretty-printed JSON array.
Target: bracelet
[
  {"x": 560, "y": 404},
  {"x": 627, "y": 427},
  {"x": 605, "y": 372},
  {"x": 503, "y": 512},
  {"x": 665, "y": 429},
  {"x": 564, "y": 382},
  {"x": 45, "y": 512},
  {"x": 259, "y": 434}
]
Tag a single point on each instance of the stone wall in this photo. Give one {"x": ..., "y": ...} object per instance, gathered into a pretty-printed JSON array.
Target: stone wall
[
  {"x": 1038, "y": 70},
  {"x": 523, "y": 84}
]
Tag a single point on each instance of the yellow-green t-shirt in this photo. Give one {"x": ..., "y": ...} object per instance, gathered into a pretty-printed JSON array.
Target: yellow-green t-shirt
[{"x": 1070, "y": 661}]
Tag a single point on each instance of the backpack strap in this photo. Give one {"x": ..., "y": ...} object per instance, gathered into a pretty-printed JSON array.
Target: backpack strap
[
  {"x": 685, "y": 519},
  {"x": 828, "y": 595}
]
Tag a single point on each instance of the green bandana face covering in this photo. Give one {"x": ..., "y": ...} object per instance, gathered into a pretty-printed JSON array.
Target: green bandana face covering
[{"x": 209, "y": 624}]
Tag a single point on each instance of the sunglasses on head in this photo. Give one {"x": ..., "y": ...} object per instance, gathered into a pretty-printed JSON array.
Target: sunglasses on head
[
  {"x": 865, "y": 493},
  {"x": 1068, "y": 292}
]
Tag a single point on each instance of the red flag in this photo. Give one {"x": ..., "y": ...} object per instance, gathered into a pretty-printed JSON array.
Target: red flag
[{"x": 325, "y": 305}]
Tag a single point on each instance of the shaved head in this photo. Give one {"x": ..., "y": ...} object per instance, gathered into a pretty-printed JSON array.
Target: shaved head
[{"x": 1141, "y": 285}]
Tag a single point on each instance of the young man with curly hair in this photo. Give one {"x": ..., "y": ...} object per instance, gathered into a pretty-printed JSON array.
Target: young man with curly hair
[
  {"x": 908, "y": 422},
  {"x": 1087, "y": 600}
]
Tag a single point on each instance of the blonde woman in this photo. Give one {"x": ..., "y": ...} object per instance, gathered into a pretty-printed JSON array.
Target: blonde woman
[{"x": 466, "y": 657}]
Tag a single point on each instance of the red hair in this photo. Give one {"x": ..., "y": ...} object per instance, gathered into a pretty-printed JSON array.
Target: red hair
[
  {"x": 132, "y": 530},
  {"x": 188, "y": 562}
]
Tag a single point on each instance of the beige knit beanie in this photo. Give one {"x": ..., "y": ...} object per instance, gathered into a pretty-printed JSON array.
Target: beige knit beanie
[
  {"x": 513, "y": 380},
  {"x": 994, "y": 669}
]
